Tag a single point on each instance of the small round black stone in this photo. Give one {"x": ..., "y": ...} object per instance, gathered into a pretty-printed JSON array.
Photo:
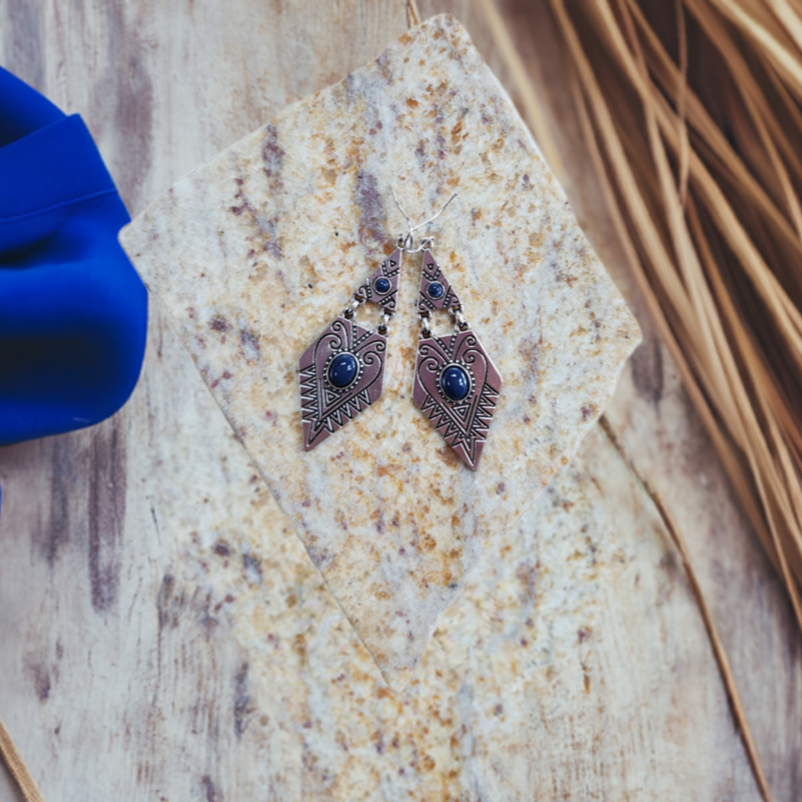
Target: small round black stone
[
  {"x": 455, "y": 383},
  {"x": 435, "y": 290},
  {"x": 382, "y": 284},
  {"x": 342, "y": 370}
]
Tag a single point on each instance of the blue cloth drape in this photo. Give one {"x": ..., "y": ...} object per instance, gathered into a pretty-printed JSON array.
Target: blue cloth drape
[{"x": 73, "y": 312}]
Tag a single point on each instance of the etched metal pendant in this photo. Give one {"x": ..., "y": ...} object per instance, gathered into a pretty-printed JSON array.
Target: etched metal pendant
[
  {"x": 456, "y": 386},
  {"x": 343, "y": 370},
  {"x": 456, "y": 383}
]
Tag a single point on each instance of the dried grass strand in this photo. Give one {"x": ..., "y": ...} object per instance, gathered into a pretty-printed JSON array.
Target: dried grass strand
[
  {"x": 682, "y": 90},
  {"x": 17, "y": 768},
  {"x": 716, "y": 341},
  {"x": 719, "y": 652},
  {"x": 771, "y": 38},
  {"x": 413, "y": 15},
  {"x": 703, "y": 193},
  {"x": 791, "y": 431}
]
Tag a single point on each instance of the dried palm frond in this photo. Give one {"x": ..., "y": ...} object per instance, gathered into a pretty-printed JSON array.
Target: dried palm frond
[
  {"x": 690, "y": 113},
  {"x": 704, "y": 175}
]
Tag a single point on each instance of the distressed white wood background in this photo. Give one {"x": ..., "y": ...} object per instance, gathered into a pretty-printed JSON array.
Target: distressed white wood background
[{"x": 117, "y": 678}]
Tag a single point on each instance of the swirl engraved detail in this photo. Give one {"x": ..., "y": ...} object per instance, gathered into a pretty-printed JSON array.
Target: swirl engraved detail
[
  {"x": 463, "y": 423},
  {"x": 324, "y": 406}
]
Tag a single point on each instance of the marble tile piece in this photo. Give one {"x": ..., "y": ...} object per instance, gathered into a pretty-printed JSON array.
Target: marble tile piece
[{"x": 254, "y": 253}]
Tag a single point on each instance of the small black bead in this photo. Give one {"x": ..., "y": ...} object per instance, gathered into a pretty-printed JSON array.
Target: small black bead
[
  {"x": 435, "y": 290},
  {"x": 382, "y": 285},
  {"x": 343, "y": 370},
  {"x": 455, "y": 383}
]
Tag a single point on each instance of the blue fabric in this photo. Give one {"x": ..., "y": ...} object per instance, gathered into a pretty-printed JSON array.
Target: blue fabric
[{"x": 73, "y": 312}]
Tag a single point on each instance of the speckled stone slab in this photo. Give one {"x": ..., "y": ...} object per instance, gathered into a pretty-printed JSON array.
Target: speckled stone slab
[{"x": 256, "y": 252}]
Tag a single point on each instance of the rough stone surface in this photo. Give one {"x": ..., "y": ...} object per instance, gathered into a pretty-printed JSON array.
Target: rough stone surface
[
  {"x": 539, "y": 673},
  {"x": 255, "y": 252}
]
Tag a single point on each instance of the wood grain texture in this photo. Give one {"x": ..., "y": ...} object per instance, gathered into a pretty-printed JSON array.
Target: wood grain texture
[{"x": 124, "y": 676}]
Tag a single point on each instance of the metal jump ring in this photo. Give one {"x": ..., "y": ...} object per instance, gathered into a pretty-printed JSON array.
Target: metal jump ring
[
  {"x": 425, "y": 243},
  {"x": 459, "y": 319},
  {"x": 424, "y": 324},
  {"x": 353, "y": 305}
]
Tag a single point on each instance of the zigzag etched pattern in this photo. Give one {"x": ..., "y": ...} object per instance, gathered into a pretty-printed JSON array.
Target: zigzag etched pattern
[
  {"x": 341, "y": 374},
  {"x": 457, "y": 386}
]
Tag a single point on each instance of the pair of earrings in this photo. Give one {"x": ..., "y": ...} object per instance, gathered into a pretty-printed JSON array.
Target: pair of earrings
[{"x": 456, "y": 384}]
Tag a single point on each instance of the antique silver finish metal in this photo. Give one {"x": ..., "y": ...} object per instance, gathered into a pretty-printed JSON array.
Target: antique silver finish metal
[
  {"x": 390, "y": 269},
  {"x": 425, "y": 325},
  {"x": 459, "y": 319},
  {"x": 463, "y": 423},
  {"x": 456, "y": 383},
  {"x": 433, "y": 275}
]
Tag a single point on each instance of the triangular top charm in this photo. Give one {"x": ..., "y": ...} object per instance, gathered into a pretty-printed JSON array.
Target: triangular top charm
[
  {"x": 382, "y": 285},
  {"x": 435, "y": 290}
]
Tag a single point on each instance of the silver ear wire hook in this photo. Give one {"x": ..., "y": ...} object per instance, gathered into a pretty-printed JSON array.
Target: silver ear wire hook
[
  {"x": 434, "y": 216},
  {"x": 406, "y": 216},
  {"x": 407, "y": 243}
]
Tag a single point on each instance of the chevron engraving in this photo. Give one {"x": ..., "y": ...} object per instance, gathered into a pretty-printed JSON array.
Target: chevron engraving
[
  {"x": 343, "y": 370},
  {"x": 327, "y": 403},
  {"x": 463, "y": 421}
]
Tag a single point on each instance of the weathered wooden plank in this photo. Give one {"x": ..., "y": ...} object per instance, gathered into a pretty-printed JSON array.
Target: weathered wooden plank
[{"x": 126, "y": 671}]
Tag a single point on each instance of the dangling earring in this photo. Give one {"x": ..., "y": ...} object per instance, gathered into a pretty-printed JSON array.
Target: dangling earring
[
  {"x": 456, "y": 384},
  {"x": 343, "y": 370}
]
